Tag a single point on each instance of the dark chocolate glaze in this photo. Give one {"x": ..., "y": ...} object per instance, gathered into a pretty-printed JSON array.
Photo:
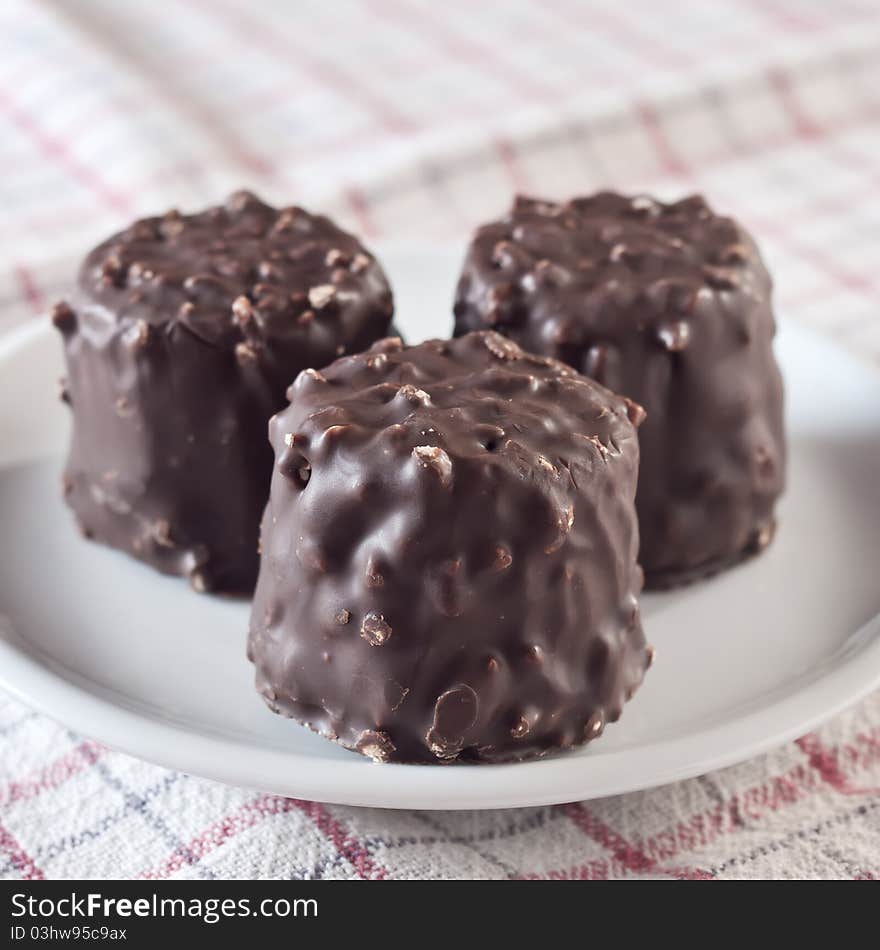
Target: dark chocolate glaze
[
  {"x": 449, "y": 554},
  {"x": 180, "y": 341},
  {"x": 669, "y": 304}
]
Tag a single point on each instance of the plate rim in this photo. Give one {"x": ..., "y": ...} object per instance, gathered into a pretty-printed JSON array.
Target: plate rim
[
  {"x": 845, "y": 680},
  {"x": 548, "y": 781}
]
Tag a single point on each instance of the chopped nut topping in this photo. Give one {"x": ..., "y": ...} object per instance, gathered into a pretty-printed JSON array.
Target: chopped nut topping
[
  {"x": 359, "y": 263},
  {"x": 63, "y": 316},
  {"x": 501, "y": 347},
  {"x": 376, "y": 745},
  {"x": 390, "y": 344},
  {"x": 242, "y": 310},
  {"x": 334, "y": 432},
  {"x": 245, "y": 353},
  {"x": 322, "y": 295},
  {"x": 374, "y": 629},
  {"x": 284, "y": 221},
  {"x": 644, "y": 205},
  {"x": 455, "y": 712},
  {"x": 336, "y": 258},
  {"x": 546, "y": 465},
  {"x": 374, "y": 575},
  {"x": 600, "y": 446},
  {"x": 719, "y": 278},
  {"x": 171, "y": 224},
  {"x": 520, "y": 728},
  {"x": 432, "y": 456},
  {"x": 162, "y": 534},
  {"x": 595, "y": 725},
  {"x": 142, "y": 334},
  {"x": 414, "y": 395},
  {"x": 635, "y": 413},
  {"x": 240, "y": 200},
  {"x": 674, "y": 336}
]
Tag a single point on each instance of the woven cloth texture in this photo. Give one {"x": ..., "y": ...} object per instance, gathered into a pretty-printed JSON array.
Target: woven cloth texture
[{"x": 412, "y": 118}]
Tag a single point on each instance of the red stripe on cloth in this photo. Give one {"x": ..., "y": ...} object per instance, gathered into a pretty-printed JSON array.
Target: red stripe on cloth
[
  {"x": 252, "y": 813},
  {"x": 708, "y": 826},
  {"x": 299, "y": 56},
  {"x": 837, "y": 765},
  {"x": 357, "y": 202},
  {"x": 463, "y": 47},
  {"x": 513, "y": 168},
  {"x": 625, "y": 856},
  {"x": 224, "y": 138},
  {"x": 349, "y": 139},
  {"x": 667, "y": 158},
  {"x": 624, "y": 35},
  {"x": 864, "y": 751},
  {"x": 851, "y": 280},
  {"x": 18, "y": 857},
  {"x": 781, "y": 16},
  {"x": 58, "y": 152},
  {"x": 346, "y": 844},
  {"x": 218, "y": 833},
  {"x": 78, "y": 760},
  {"x": 858, "y": 163},
  {"x": 30, "y": 290},
  {"x": 807, "y": 296},
  {"x": 803, "y": 125},
  {"x": 227, "y": 139},
  {"x": 824, "y": 761},
  {"x": 598, "y": 869},
  {"x": 828, "y": 206},
  {"x": 776, "y": 793},
  {"x": 756, "y": 147},
  {"x": 190, "y": 108}
]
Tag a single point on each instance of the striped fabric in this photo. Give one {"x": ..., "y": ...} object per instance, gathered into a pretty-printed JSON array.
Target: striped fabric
[{"x": 414, "y": 118}]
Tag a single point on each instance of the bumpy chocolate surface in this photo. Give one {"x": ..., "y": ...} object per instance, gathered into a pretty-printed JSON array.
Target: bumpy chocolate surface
[
  {"x": 181, "y": 341},
  {"x": 449, "y": 554},
  {"x": 670, "y": 305}
]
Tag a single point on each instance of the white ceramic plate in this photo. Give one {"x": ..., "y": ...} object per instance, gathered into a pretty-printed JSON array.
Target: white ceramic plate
[{"x": 745, "y": 661}]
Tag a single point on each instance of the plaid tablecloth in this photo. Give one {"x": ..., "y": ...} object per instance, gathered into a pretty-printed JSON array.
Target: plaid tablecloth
[{"x": 418, "y": 118}]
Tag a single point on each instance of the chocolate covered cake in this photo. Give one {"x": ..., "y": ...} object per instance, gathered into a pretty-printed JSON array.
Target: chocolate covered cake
[
  {"x": 449, "y": 554},
  {"x": 181, "y": 339},
  {"x": 670, "y": 305}
]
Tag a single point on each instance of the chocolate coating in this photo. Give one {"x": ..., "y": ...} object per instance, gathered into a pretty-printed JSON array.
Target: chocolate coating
[
  {"x": 449, "y": 554},
  {"x": 670, "y": 305},
  {"x": 181, "y": 340}
]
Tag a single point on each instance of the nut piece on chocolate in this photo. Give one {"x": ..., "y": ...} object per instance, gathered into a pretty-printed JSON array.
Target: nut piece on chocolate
[
  {"x": 181, "y": 339},
  {"x": 449, "y": 554},
  {"x": 668, "y": 304}
]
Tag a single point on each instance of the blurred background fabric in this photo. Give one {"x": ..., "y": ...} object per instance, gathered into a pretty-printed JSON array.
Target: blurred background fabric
[{"x": 412, "y": 119}]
